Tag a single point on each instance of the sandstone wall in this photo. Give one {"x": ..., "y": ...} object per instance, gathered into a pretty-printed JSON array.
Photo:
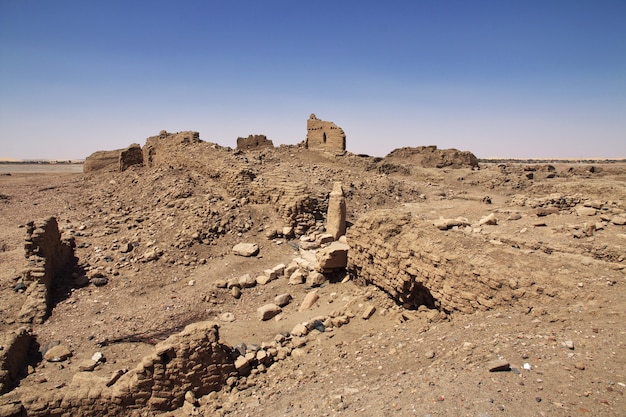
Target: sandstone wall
[
  {"x": 417, "y": 264},
  {"x": 48, "y": 256},
  {"x": 254, "y": 142},
  {"x": 324, "y": 135},
  {"x": 192, "y": 360}
]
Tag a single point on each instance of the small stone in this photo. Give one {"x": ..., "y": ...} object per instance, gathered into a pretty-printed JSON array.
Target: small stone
[
  {"x": 87, "y": 365},
  {"x": 580, "y": 366},
  {"x": 58, "y": 353},
  {"x": 309, "y": 300},
  {"x": 242, "y": 366},
  {"x": 282, "y": 300},
  {"x": 98, "y": 357},
  {"x": 499, "y": 365},
  {"x": 81, "y": 281},
  {"x": 429, "y": 354},
  {"x": 268, "y": 311},
  {"x": 297, "y": 277},
  {"x": 235, "y": 292},
  {"x": 246, "y": 281},
  {"x": 190, "y": 397},
  {"x": 368, "y": 312},
  {"x": 315, "y": 279},
  {"x": 227, "y": 317},
  {"x": 299, "y": 330},
  {"x": 263, "y": 279},
  {"x": 569, "y": 344},
  {"x": 246, "y": 249},
  {"x": 100, "y": 281},
  {"x": 115, "y": 376}
]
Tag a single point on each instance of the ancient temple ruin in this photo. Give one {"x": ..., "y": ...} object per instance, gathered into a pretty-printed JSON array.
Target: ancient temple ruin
[{"x": 324, "y": 135}]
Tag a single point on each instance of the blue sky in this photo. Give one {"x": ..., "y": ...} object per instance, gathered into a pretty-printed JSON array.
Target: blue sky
[{"x": 498, "y": 78}]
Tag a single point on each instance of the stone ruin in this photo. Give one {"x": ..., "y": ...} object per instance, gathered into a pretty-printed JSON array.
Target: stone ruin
[
  {"x": 400, "y": 254},
  {"x": 325, "y": 136},
  {"x": 254, "y": 142},
  {"x": 151, "y": 155},
  {"x": 115, "y": 160},
  {"x": 50, "y": 257},
  {"x": 431, "y": 157}
]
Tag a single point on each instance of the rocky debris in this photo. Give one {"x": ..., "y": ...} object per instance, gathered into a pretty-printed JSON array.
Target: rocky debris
[
  {"x": 336, "y": 216},
  {"x": 246, "y": 249}
]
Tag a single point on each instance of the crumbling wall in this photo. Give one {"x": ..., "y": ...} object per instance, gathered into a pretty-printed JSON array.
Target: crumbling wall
[
  {"x": 115, "y": 160},
  {"x": 292, "y": 200},
  {"x": 254, "y": 142},
  {"x": 323, "y": 135},
  {"x": 431, "y": 157},
  {"x": 151, "y": 154},
  {"x": 417, "y": 264},
  {"x": 48, "y": 256},
  {"x": 13, "y": 356},
  {"x": 193, "y": 360}
]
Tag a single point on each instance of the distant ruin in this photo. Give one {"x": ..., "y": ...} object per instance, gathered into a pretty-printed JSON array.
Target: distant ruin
[
  {"x": 115, "y": 160},
  {"x": 326, "y": 136},
  {"x": 254, "y": 142}
]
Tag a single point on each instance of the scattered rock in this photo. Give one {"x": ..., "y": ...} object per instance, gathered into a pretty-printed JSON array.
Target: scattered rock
[
  {"x": 58, "y": 353},
  {"x": 246, "y": 249},
  {"x": 315, "y": 279},
  {"x": 309, "y": 300},
  {"x": 499, "y": 365},
  {"x": 491, "y": 219},
  {"x": 268, "y": 311},
  {"x": 283, "y": 299},
  {"x": 445, "y": 224}
]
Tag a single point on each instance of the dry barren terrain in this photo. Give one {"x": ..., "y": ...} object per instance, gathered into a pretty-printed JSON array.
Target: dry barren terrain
[{"x": 517, "y": 306}]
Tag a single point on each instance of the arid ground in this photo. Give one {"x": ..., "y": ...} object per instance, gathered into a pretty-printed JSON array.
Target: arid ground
[{"x": 161, "y": 236}]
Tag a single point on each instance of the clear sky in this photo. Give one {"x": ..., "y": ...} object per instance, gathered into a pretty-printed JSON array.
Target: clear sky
[{"x": 500, "y": 78}]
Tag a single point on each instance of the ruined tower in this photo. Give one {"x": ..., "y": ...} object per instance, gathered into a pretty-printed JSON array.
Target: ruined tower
[{"x": 324, "y": 135}]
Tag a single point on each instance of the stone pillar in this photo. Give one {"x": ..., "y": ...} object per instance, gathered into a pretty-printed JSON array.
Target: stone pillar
[{"x": 336, "y": 216}]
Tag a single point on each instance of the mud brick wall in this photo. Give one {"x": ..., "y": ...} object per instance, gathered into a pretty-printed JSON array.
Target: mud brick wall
[
  {"x": 192, "y": 360},
  {"x": 292, "y": 200},
  {"x": 48, "y": 255},
  {"x": 417, "y": 264},
  {"x": 14, "y": 349}
]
